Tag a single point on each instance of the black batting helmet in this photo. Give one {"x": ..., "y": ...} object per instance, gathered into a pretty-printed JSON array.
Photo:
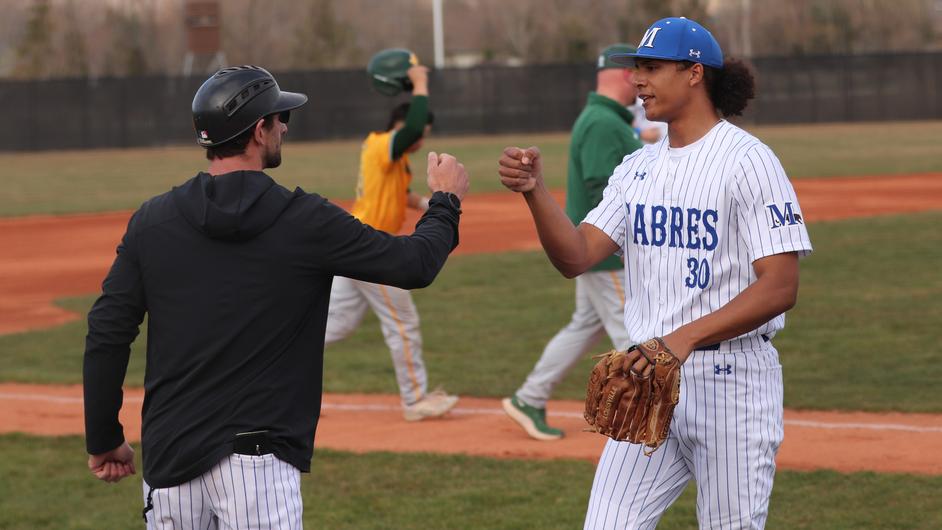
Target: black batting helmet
[{"x": 234, "y": 99}]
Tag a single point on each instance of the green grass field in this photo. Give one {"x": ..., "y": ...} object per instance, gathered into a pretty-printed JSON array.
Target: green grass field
[
  {"x": 86, "y": 181},
  {"x": 46, "y": 486},
  {"x": 487, "y": 317},
  {"x": 864, "y": 335}
]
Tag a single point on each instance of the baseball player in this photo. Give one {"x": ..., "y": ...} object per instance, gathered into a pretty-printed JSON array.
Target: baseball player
[
  {"x": 601, "y": 137},
  {"x": 382, "y": 197},
  {"x": 711, "y": 231},
  {"x": 234, "y": 273}
]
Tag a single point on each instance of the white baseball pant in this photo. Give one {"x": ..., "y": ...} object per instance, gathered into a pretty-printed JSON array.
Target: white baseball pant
[
  {"x": 399, "y": 320},
  {"x": 600, "y": 307},
  {"x": 725, "y": 434},
  {"x": 241, "y": 491}
]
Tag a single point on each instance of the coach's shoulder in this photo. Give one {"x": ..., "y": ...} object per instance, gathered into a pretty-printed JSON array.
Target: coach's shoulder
[
  {"x": 312, "y": 210},
  {"x": 153, "y": 211}
]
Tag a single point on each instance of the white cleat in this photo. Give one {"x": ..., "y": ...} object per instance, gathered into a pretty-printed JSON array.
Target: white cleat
[{"x": 433, "y": 405}]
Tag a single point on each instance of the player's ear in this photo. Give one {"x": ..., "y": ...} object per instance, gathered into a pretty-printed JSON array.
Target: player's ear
[{"x": 695, "y": 74}]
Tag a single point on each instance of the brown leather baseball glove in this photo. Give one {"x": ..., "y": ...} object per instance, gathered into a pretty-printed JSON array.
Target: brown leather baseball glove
[{"x": 634, "y": 401}]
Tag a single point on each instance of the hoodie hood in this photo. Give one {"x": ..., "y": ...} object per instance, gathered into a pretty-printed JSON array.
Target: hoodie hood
[{"x": 234, "y": 206}]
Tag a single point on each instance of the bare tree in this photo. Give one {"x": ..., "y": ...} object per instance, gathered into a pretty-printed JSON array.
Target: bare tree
[
  {"x": 73, "y": 51},
  {"x": 47, "y": 38},
  {"x": 35, "y": 50},
  {"x": 325, "y": 41}
]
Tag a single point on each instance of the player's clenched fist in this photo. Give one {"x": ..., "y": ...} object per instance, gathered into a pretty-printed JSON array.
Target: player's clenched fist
[
  {"x": 520, "y": 170},
  {"x": 445, "y": 173}
]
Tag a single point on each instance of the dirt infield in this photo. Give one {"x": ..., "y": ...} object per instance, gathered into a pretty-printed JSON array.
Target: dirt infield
[{"x": 47, "y": 257}]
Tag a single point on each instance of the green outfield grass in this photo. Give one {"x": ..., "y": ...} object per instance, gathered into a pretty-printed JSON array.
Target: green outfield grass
[
  {"x": 864, "y": 335},
  {"x": 102, "y": 180},
  {"x": 47, "y": 486}
]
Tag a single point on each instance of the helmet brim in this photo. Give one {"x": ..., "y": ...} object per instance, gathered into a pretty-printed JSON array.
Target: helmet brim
[{"x": 289, "y": 101}]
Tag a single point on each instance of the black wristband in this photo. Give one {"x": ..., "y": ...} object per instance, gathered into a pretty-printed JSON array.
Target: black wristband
[{"x": 448, "y": 199}]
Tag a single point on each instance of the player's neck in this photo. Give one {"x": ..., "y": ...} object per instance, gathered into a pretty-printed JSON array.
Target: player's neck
[{"x": 692, "y": 125}]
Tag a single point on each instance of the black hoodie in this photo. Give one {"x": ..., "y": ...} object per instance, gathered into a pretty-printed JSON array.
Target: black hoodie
[{"x": 234, "y": 273}]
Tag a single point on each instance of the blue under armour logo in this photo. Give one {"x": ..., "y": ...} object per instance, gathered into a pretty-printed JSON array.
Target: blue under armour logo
[
  {"x": 717, "y": 369},
  {"x": 640, "y": 176}
]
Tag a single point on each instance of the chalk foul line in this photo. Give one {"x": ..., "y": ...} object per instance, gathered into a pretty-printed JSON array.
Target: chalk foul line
[{"x": 478, "y": 411}]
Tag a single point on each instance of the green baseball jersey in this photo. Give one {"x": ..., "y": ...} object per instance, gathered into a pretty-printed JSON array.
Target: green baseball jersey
[{"x": 601, "y": 137}]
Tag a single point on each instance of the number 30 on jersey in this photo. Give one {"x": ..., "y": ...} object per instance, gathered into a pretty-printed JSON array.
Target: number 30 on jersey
[{"x": 698, "y": 273}]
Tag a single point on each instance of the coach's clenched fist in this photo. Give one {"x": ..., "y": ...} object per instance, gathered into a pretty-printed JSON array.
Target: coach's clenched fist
[
  {"x": 521, "y": 170},
  {"x": 446, "y": 174},
  {"x": 113, "y": 465}
]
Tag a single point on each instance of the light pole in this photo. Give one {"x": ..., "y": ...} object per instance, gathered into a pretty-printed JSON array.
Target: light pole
[
  {"x": 746, "y": 28},
  {"x": 438, "y": 33}
]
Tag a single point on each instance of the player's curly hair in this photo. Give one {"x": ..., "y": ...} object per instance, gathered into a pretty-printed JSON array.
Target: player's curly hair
[{"x": 731, "y": 88}]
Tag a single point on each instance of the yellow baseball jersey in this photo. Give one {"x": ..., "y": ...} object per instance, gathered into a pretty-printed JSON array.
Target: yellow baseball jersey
[{"x": 383, "y": 184}]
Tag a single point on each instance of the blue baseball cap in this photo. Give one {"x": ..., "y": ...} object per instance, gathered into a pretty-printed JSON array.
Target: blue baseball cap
[{"x": 676, "y": 39}]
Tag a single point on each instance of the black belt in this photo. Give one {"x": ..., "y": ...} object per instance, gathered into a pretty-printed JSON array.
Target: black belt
[
  {"x": 715, "y": 347},
  {"x": 254, "y": 443}
]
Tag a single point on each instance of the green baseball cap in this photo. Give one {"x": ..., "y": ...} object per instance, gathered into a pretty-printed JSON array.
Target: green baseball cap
[{"x": 605, "y": 60}]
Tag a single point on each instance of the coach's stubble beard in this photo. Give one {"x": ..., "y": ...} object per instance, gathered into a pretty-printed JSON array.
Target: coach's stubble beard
[{"x": 273, "y": 157}]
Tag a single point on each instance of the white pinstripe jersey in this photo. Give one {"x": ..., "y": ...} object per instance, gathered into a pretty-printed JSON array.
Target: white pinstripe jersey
[{"x": 690, "y": 221}]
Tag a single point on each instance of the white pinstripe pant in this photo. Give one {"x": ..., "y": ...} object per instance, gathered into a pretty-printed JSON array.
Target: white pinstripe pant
[
  {"x": 725, "y": 433},
  {"x": 399, "y": 320},
  {"x": 600, "y": 308},
  {"x": 241, "y": 491}
]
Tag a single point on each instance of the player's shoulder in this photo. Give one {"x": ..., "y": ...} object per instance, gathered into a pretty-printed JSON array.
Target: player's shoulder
[
  {"x": 754, "y": 161},
  {"x": 745, "y": 138},
  {"x": 639, "y": 158},
  {"x": 378, "y": 139},
  {"x": 746, "y": 147}
]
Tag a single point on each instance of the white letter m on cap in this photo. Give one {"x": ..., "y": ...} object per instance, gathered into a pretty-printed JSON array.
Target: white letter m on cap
[{"x": 648, "y": 39}]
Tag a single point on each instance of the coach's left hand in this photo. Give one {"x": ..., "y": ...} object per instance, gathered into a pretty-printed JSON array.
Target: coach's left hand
[{"x": 113, "y": 465}]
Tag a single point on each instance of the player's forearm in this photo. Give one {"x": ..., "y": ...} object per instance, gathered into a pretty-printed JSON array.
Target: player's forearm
[
  {"x": 564, "y": 244},
  {"x": 771, "y": 295}
]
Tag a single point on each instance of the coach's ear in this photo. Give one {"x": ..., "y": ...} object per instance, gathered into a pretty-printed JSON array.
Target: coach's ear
[{"x": 259, "y": 132}]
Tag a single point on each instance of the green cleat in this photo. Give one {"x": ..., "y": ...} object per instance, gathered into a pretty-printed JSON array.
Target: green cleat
[{"x": 532, "y": 419}]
